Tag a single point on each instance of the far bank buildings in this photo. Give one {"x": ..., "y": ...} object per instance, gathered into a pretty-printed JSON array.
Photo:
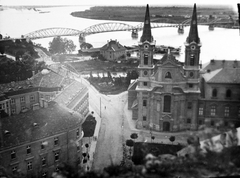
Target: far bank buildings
[{"x": 172, "y": 96}]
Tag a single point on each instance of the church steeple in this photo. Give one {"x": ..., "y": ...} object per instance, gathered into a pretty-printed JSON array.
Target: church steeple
[
  {"x": 147, "y": 34},
  {"x": 193, "y": 33}
]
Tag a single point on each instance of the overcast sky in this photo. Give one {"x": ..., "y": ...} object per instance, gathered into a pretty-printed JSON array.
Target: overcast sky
[{"x": 117, "y": 2}]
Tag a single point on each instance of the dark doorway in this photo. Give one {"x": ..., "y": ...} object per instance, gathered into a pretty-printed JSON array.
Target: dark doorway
[{"x": 166, "y": 126}]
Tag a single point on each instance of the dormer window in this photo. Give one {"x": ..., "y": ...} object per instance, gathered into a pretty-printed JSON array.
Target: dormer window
[{"x": 168, "y": 75}]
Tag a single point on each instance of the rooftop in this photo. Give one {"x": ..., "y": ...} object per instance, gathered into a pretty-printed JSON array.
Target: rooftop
[
  {"x": 113, "y": 45},
  {"x": 41, "y": 123},
  {"x": 218, "y": 64}
]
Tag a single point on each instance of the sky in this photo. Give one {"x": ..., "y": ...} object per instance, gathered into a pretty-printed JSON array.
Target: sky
[{"x": 114, "y": 2}]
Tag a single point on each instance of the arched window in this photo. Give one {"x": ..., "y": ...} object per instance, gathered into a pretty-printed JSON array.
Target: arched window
[
  {"x": 213, "y": 110},
  {"x": 228, "y": 93},
  {"x": 192, "y": 58},
  {"x": 214, "y": 92},
  {"x": 168, "y": 75},
  {"x": 167, "y": 104}
]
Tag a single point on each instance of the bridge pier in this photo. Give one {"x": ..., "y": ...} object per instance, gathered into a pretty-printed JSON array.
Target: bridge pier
[
  {"x": 134, "y": 34},
  {"x": 211, "y": 27},
  {"x": 180, "y": 29}
]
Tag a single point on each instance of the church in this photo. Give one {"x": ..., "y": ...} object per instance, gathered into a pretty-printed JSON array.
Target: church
[{"x": 167, "y": 94}]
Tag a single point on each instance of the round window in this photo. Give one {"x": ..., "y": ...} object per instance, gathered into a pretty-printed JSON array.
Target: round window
[
  {"x": 193, "y": 47},
  {"x": 191, "y": 74},
  {"x": 145, "y": 72},
  {"x": 146, "y": 46}
]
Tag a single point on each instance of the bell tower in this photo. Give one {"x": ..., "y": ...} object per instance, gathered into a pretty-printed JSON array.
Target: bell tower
[
  {"x": 192, "y": 49},
  {"x": 146, "y": 48}
]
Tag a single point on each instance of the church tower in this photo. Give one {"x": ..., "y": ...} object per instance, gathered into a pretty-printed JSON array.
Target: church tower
[
  {"x": 192, "y": 51},
  {"x": 145, "y": 69},
  {"x": 191, "y": 71}
]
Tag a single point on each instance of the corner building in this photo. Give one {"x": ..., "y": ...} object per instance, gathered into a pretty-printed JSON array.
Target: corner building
[{"x": 165, "y": 96}]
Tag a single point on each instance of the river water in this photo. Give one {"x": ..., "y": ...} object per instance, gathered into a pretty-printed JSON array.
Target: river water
[{"x": 218, "y": 44}]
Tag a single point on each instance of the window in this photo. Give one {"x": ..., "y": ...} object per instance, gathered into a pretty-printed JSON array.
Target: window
[
  {"x": 29, "y": 165},
  {"x": 43, "y": 145},
  {"x": 14, "y": 169},
  {"x": 192, "y": 58},
  {"x": 32, "y": 98},
  {"x": 213, "y": 111},
  {"x": 228, "y": 93},
  {"x": 23, "y": 107},
  {"x": 200, "y": 111},
  {"x": 56, "y": 156},
  {"x": 28, "y": 149},
  {"x": 189, "y": 105},
  {"x": 22, "y": 99},
  {"x": 55, "y": 141},
  {"x": 44, "y": 175},
  {"x": 13, "y": 154},
  {"x": 191, "y": 74},
  {"x": 43, "y": 161},
  {"x": 144, "y": 102},
  {"x": 212, "y": 123},
  {"x": 144, "y": 118},
  {"x": 226, "y": 111},
  {"x": 168, "y": 75},
  {"x": 189, "y": 121},
  {"x": 12, "y": 101},
  {"x": 145, "y": 59},
  {"x": 145, "y": 72},
  {"x": 214, "y": 92},
  {"x": 190, "y": 85},
  {"x": 200, "y": 122},
  {"x": 167, "y": 104},
  {"x": 77, "y": 133},
  {"x": 144, "y": 83},
  {"x": 13, "y": 111}
]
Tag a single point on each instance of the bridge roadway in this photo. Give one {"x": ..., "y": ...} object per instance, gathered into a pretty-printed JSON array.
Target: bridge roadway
[{"x": 116, "y": 26}]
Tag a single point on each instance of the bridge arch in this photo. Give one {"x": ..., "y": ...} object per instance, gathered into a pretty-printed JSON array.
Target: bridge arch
[{"x": 52, "y": 32}]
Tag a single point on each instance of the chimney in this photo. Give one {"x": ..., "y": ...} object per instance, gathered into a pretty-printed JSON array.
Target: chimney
[
  {"x": 235, "y": 64},
  {"x": 223, "y": 63},
  {"x": 212, "y": 61}
]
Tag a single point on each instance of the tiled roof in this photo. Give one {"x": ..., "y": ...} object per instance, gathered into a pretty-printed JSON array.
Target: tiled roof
[
  {"x": 113, "y": 45},
  {"x": 169, "y": 57},
  {"x": 209, "y": 75},
  {"x": 50, "y": 121},
  {"x": 218, "y": 64},
  {"x": 227, "y": 75}
]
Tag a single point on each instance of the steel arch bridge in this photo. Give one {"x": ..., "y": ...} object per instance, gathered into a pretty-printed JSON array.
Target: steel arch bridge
[{"x": 108, "y": 27}]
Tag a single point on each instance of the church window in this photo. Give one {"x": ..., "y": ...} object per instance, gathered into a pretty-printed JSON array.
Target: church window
[
  {"x": 214, "y": 92},
  {"x": 144, "y": 83},
  {"x": 189, "y": 121},
  {"x": 192, "y": 58},
  {"x": 167, "y": 104},
  {"x": 228, "y": 93},
  {"x": 144, "y": 118},
  {"x": 145, "y": 59},
  {"x": 168, "y": 75},
  {"x": 213, "y": 110},
  {"x": 226, "y": 111},
  {"x": 144, "y": 102},
  {"x": 200, "y": 111},
  {"x": 191, "y": 74},
  {"x": 189, "y": 105},
  {"x": 190, "y": 85}
]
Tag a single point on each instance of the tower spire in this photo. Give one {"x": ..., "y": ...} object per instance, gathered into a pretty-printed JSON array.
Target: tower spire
[
  {"x": 147, "y": 34},
  {"x": 193, "y": 33}
]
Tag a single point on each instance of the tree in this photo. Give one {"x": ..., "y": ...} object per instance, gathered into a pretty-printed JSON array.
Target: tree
[
  {"x": 61, "y": 46},
  {"x": 172, "y": 139}
]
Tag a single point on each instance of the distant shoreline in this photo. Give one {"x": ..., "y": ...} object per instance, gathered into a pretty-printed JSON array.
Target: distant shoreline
[{"x": 165, "y": 14}]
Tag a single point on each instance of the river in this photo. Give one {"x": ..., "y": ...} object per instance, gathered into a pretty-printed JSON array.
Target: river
[{"x": 218, "y": 44}]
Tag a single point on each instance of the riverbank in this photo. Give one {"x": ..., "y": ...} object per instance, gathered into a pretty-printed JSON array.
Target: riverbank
[{"x": 168, "y": 14}]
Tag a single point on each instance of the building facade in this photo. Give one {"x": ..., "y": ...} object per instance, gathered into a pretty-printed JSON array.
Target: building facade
[
  {"x": 171, "y": 96},
  {"x": 113, "y": 50},
  {"x": 34, "y": 143}
]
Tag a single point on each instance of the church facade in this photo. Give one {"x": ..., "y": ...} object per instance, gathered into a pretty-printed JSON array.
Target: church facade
[{"x": 166, "y": 95}]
